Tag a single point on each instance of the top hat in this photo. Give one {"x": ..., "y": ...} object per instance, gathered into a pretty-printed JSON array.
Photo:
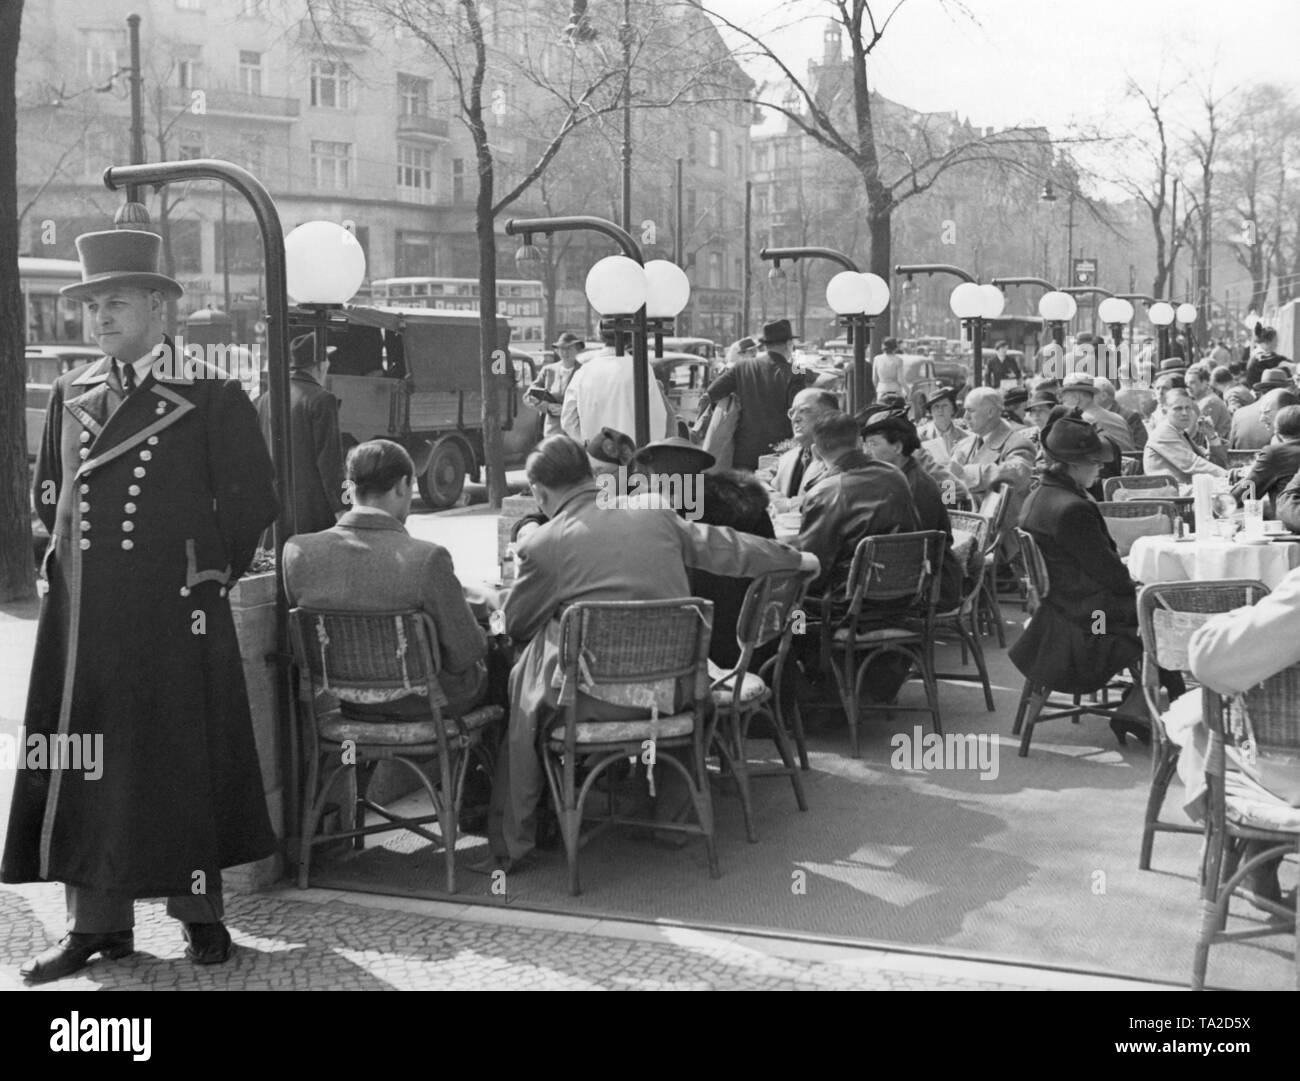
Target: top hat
[
  {"x": 943, "y": 394},
  {"x": 568, "y": 338},
  {"x": 611, "y": 447},
  {"x": 1042, "y": 399},
  {"x": 1272, "y": 379},
  {"x": 302, "y": 350},
  {"x": 1080, "y": 381},
  {"x": 672, "y": 455},
  {"x": 776, "y": 333},
  {"x": 1015, "y": 396},
  {"x": 126, "y": 257},
  {"x": 1070, "y": 438}
]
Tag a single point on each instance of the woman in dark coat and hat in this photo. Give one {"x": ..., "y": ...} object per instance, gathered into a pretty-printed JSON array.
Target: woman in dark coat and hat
[{"x": 1086, "y": 629}]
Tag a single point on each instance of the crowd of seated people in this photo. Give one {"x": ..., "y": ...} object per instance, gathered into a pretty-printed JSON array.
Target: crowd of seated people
[{"x": 849, "y": 477}]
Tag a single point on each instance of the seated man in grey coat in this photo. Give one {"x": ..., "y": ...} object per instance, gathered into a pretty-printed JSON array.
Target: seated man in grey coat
[{"x": 369, "y": 563}]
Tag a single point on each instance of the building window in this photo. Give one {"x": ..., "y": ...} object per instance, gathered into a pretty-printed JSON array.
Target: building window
[
  {"x": 187, "y": 71},
  {"x": 331, "y": 85},
  {"x": 458, "y": 180},
  {"x": 250, "y": 72},
  {"x": 762, "y": 202},
  {"x": 414, "y": 255},
  {"x": 413, "y": 95},
  {"x": 715, "y": 270},
  {"x": 241, "y": 244},
  {"x": 760, "y": 159},
  {"x": 105, "y": 52},
  {"x": 414, "y": 173},
  {"x": 252, "y": 151},
  {"x": 331, "y": 165},
  {"x": 715, "y": 148}
]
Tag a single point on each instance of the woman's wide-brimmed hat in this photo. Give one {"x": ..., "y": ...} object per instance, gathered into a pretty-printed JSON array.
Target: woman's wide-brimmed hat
[
  {"x": 1072, "y": 439},
  {"x": 674, "y": 455},
  {"x": 126, "y": 257},
  {"x": 1015, "y": 396},
  {"x": 611, "y": 447},
  {"x": 943, "y": 394},
  {"x": 885, "y": 420}
]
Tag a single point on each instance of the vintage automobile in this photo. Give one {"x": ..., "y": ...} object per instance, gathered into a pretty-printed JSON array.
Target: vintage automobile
[
  {"x": 413, "y": 375},
  {"x": 45, "y": 363}
]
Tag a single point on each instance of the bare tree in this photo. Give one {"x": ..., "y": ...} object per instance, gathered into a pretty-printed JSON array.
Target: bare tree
[
  {"x": 17, "y": 580},
  {"x": 897, "y": 154}
]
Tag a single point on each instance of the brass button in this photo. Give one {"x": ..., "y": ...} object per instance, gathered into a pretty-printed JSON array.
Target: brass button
[
  {"x": 128, "y": 544},
  {"x": 84, "y": 453},
  {"x": 139, "y": 471},
  {"x": 146, "y": 455},
  {"x": 85, "y": 489},
  {"x": 222, "y": 591},
  {"x": 129, "y": 508},
  {"x": 185, "y": 591},
  {"x": 85, "y": 437},
  {"x": 84, "y": 508},
  {"x": 152, "y": 441},
  {"x": 85, "y": 526},
  {"x": 133, "y": 490},
  {"x": 127, "y": 526},
  {"x": 85, "y": 543}
]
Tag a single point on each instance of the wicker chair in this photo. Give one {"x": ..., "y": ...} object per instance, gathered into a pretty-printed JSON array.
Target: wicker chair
[
  {"x": 628, "y": 648},
  {"x": 1139, "y": 518},
  {"x": 1267, "y": 716},
  {"x": 1131, "y": 464},
  {"x": 369, "y": 658},
  {"x": 1037, "y": 697},
  {"x": 964, "y": 618},
  {"x": 994, "y": 507},
  {"x": 898, "y": 572},
  {"x": 768, "y": 613},
  {"x": 1168, "y": 613},
  {"x": 1147, "y": 486}
]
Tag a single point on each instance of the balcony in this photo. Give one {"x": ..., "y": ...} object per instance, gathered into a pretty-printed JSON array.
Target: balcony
[
  {"x": 423, "y": 127},
  {"x": 233, "y": 103}
]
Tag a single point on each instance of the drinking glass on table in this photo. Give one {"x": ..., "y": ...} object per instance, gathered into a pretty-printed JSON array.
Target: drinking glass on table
[{"x": 1224, "y": 505}]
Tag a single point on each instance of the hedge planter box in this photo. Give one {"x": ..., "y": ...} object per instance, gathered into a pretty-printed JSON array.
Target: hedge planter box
[{"x": 252, "y": 602}]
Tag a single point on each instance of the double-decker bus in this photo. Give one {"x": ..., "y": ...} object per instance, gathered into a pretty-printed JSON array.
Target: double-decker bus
[
  {"x": 48, "y": 317},
  {"x": 517, "y": 300}
]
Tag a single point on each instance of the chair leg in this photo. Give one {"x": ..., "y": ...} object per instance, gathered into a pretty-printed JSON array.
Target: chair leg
[
  {"x": 1020, "y": 709},
  {"x": 776, "y": 718},
  {"x": 1211, "y": 899},
  {"x": 1163, "y": 764},
  {"x": 796, "y": 716},
  {"x": 846, "y": 683},
  {"x": 731, "y": 746},
  {"x": 925, "y": 662},
  {"x": 1037, "y": 700},
  {"x": 977, "y": 652},
  {"x": 313, "y": 807}
]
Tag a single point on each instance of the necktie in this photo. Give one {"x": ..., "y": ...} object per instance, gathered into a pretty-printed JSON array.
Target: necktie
[{"x": 127, "y": 373}]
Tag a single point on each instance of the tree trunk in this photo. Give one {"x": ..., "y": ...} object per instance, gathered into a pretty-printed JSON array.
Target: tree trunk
[
  {"x": 880, "y": 228},
  {"x": 17, "y": 572}
]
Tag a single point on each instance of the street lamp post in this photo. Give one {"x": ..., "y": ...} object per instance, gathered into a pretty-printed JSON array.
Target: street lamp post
[
  {"x": 638, "y": 321},
  {"x": 860, "y": 391},
  {"x": 977, "y": 360},
  {"x": 972, "y": 304},
  {"x": 1186, "y": 316},
  {"x": 857, "y": 299},
  {"x": 1116, "y": 313},
  {"x": 1057, "y": 308},
  {"x": 1162, "y": 314}
]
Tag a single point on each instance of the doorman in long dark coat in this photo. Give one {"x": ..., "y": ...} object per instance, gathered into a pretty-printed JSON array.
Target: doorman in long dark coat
[{"x": 154, "y": 483}]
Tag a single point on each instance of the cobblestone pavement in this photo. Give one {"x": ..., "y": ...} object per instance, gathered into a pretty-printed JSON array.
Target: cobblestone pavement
[{"x": 324, "y": 940}]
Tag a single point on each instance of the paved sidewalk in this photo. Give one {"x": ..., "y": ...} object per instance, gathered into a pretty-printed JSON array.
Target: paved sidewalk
[{"x": 321, "y": 939}]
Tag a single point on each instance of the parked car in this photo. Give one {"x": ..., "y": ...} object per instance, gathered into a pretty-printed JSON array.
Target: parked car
[{"x": 45, "y": 363}]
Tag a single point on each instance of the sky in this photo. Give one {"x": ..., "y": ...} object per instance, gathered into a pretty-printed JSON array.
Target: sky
[{"x": 1053, "y": 62}]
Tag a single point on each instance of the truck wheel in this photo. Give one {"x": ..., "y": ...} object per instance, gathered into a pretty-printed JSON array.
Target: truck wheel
[{"x": 443, "y": 481}]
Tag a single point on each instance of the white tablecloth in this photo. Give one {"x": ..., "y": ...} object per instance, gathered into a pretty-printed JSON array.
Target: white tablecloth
[{"x": 1163, "y": 559}]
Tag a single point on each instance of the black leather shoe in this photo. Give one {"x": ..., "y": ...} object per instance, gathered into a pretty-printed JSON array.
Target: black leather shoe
[
  {"x": 1127, "y": 726},
  {"x": 74, "y": 952},
  {"x": 209, "y": 943}
]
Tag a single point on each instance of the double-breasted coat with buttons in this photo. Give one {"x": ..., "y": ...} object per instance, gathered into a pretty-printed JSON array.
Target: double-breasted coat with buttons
[{"x": 154, "y": 508}]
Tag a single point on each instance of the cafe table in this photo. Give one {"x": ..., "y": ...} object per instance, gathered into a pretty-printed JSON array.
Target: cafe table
[{"x": 1167, "y": 559}]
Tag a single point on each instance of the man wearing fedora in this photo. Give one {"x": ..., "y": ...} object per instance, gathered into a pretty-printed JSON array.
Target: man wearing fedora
[
  {"x": 546, "y": 394},
  {"x": 1079, "y": 391},
  {"x": 763, "y": 388},
  {"x": 314, "y": 438},
  {"x": 154, "y": 484}
]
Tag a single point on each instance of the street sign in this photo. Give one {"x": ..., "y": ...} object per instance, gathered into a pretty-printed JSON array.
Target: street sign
[{"x": 1085, "y": 272}]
